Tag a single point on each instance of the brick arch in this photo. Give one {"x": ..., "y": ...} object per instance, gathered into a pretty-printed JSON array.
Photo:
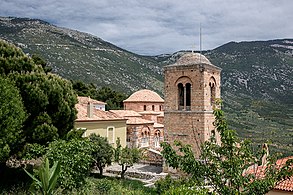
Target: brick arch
[
  {"x": 184, "y": 80},
  {"x": 184, "y": 86},
  {"x": 212, "y": 81}
]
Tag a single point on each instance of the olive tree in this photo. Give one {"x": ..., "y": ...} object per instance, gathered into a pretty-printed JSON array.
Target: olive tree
[
  {"x": 126, "y": 157},
  {"x": 102, "y": 152}
]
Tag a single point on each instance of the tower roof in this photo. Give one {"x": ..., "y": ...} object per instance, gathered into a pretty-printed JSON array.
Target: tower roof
[
  {"x": 192, "y": 58},
  {"x": 144, "y": 95},
  {"x": 188, "y": 59}
]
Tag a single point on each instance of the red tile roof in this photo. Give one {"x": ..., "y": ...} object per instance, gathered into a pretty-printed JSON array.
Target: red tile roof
[
  {"x": 126, "y": 113},
  {"x": 138, "y": 121},
  {"x": 133, "y": 118},
  {"x": 287, "y": 184},
  {"x": 97, "y": 114},
  {"x": 150, "y": 112},
  {"x": 85, "y": 100},
  {"x": 259, "y": 171},
  {"x": 158, "y": 125},
  {"x": 144, "y": 95}
]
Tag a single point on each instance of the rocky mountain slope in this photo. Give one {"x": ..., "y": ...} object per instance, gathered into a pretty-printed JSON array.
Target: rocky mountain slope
[
  {"x": 81, "y": 56},
  {"x": 257, "y": 81}
]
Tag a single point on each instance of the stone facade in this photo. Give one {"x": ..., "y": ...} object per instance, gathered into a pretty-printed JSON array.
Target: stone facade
[{"x": 191, "y": 86}]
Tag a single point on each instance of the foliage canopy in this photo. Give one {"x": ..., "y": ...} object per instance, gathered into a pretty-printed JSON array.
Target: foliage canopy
[
  {"x": 75, "y": 158},
  {"x": 126, "y": 157},
  {"x": 102, "y": 152},
  {"x": 47, "y": 99},
  {"x": 12, "y": 116}
]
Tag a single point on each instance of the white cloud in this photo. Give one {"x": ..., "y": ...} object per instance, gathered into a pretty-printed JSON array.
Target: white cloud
[{"x": 163, "y": 26}]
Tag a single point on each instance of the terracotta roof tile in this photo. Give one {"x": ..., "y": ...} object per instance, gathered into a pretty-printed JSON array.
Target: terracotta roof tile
[
  {"x": 133, "y": 118},
  {"x": 138, "y": 121},
  {"x": 85, "y": 100},
  {"x": 150, "y": 112},
  {"x": 97, "y": 114},
  {"x": 158, "y": 125},
  {"x": 287, "y": 184},
  {"x": 144, "y": 95},
  {"x": 259, "y": 171},
  {"x": 126, "y": 113}
]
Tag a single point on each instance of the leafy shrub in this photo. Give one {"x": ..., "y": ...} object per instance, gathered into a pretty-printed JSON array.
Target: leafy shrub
[
  {"x": 104, "y": 186},
  {"x": 186, "y": 190},
  {"x": 165, "y": 184},
  {"x": 75, "y": 157},
  {"x": 75, "y": 134},
  {"x": 33, "y": 151}
]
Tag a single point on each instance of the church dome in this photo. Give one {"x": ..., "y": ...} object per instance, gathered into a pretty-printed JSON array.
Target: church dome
[
  {"x": 192, "y": 58},
  {"x": 144, "y": 95}
]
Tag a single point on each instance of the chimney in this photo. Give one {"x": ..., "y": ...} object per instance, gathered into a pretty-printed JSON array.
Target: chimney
[{"x": 90, "y": 110}]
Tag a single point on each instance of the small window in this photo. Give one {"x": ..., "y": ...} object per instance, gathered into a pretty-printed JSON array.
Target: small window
[
  {"x": 180, "y": 96},
  {"x": 153, "y": 107},
  {"x": 144, "y": 107},
  {"x": 111, "y": 134},
  {"x": 188, "y": 95},
  {"x": 157, "y": 139}
]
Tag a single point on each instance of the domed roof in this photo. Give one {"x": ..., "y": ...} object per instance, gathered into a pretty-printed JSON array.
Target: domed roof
[
  {"x": 192, "y": 58},
  {"x": 144, "y": 95}
]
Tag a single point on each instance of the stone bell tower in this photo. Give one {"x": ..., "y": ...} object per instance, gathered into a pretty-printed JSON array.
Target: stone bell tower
[{"x": 191, "y": 86}]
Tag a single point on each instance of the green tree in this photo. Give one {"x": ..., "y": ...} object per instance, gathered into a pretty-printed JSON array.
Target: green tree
[
  {"x": 49, "y": 100},
  {"x": 102, "y": 152},
  {"x": 39, "y": 61},
  {"x": 113, "y": 99},
  {"x": 12, "y": 116},
  {"x": 83, "y": 89},
  {"x": 12, "y": 59},
  {"x": 75, "y": 158},
  {"x": 224, "y": 166},
  {"x": 126, "y": 157}
]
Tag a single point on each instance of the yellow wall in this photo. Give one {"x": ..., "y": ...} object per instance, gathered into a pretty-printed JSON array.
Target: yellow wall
[{"x": 100, "y": 128}]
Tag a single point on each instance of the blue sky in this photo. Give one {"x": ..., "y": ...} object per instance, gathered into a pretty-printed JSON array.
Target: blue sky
[{"x": 163, "y": 26}]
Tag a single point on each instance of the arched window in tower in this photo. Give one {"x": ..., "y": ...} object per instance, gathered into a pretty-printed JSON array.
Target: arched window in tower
[
  {"x": 180, "y": 96},
  {"x": 153, "y": 108},
  {"x": 188, "y": 95},
  {"x": 212, "y": 85}
]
